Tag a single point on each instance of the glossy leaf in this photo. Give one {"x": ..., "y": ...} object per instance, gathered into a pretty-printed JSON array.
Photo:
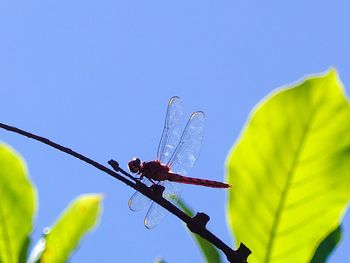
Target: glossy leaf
[
  {"x": 327, "y": 246},
  {"x": 210, "y": 252},
  {"x": 82, "y": 214},
  {"x": 290, "y": 171},
  {"x": 17, "y": 206}
]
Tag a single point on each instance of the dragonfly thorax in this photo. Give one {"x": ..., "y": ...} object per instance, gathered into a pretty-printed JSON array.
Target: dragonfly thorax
[{"x": 154, "y": 170}]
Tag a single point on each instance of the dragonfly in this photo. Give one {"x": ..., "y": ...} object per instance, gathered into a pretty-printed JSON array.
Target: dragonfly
[{"x": 177, "y": 152}]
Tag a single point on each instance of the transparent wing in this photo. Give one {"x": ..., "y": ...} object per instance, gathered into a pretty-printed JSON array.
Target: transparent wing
[
  {"x": 138, "y": 201},
  {"x": 172, "y": 191},
  {"x": 171, "y": 131},
  {"x": 188, "y": 149},
  {"x": 156, "y": 213},
  {"x": 154, "y": 216}
]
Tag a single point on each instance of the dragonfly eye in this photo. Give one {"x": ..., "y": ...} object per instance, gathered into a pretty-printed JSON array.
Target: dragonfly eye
[{"x": 134, "y": 165}]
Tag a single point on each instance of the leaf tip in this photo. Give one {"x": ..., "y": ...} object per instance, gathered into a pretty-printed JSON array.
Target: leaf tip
[
  {"x": 92, "y": 197},
  {"x": 332, "y": 73}
]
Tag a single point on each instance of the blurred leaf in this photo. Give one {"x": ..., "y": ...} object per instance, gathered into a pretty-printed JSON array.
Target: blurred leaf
[
  {"x": 327, "y": 246},
  {"x": 290, "y": 171},
  {"x": 210, "y": 252},
  {"x": 159, "y": 260},
  {"x": 24, "y": 251},
  {"x": 17, "y": 205},
  {"x": 82, "y": 214}
]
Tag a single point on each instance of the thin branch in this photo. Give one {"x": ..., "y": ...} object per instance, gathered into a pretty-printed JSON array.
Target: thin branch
[{"x": 196, "y": 224}]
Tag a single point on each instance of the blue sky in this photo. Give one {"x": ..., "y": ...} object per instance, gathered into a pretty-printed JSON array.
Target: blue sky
[{"x": 96, "y": 76}]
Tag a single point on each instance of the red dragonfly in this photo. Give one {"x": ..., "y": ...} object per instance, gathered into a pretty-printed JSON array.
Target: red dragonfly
[{"x": 177, "y": 152}]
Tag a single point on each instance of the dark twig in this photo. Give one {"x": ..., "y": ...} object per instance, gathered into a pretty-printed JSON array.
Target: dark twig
[{"x": 196, "y": 224}]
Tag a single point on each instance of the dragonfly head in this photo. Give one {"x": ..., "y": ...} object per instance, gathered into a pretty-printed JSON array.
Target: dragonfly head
[{"x": 134, "y": 165}]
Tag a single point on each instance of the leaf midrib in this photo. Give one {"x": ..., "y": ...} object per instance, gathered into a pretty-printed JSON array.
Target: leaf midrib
[{"x": 287, "y": 186}]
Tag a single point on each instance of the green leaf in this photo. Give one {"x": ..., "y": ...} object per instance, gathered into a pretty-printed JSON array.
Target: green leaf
[
  {"x": 210, "y": 252},
  {"x": 17, "y": 205},
  {"x": 327, "y": 246},
  {"x": 290, "y": 171},
  {"x": 82, "y": 214},
  {"x": 24, "y": 251}
]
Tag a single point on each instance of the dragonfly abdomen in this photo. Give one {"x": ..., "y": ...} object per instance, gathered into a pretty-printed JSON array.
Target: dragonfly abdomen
[{"x": 196, "y": 181}]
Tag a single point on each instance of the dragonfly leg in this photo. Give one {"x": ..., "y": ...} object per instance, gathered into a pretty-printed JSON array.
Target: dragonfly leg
[
  {"x": 153, "y": 182},
  {"x": 141, "y": 177}
]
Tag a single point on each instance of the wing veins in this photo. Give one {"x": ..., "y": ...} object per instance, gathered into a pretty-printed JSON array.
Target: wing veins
[{"x": 187, "y": 150}]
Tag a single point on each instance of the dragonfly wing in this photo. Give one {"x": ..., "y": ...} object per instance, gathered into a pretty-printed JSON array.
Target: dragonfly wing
[
  {"x": 154, "y": 216},
  {"x": 189, "y": 146},
  {"x": 172, "y": 191},
  {"x": 138, "y": 201},
  {"x": 156, "y": 213},
  {"x": 172, "y": 130}
]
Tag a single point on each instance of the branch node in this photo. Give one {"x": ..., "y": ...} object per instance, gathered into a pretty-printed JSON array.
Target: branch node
[
  {"x": 157, "y": 190},
  {"x": 240, "y": 255},
  {"x": 198, "y": 223},
  {"x": 114, "y": 164},
  {"x": 243, "y": 251},
  {"x": 201, "y": 219}
]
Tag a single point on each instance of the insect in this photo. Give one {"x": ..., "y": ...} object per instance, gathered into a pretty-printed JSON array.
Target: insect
[{"x": 177, "y": 153}]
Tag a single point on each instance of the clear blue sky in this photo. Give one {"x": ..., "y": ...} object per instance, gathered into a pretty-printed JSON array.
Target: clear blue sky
[{"x": 96, "y": 76}]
